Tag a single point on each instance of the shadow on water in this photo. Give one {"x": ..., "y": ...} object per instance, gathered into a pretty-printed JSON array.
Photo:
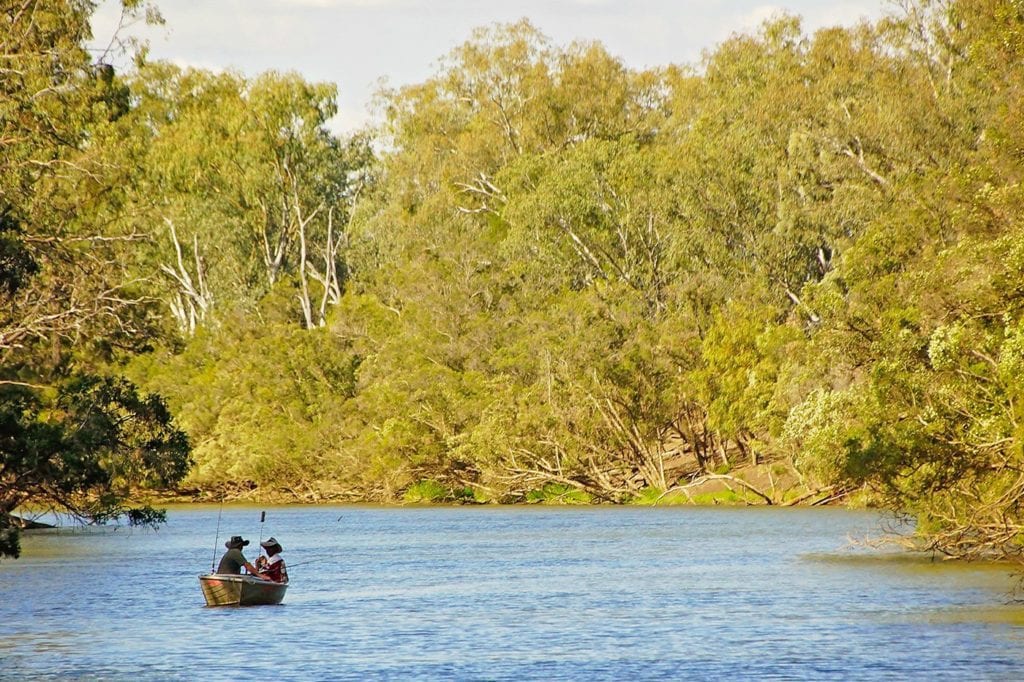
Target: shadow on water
[
  {"x": 915, "y": 562},
  {"x": 988, "y": 592}
]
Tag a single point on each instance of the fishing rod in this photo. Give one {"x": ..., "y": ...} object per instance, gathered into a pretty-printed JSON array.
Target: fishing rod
[
  {"x": 315, "y": 561},
  {"x": 310, "y": 561},
  {"x": 263, "y": 516},
  {"x": 260, "y": 560},
  {"x": 216, "y": 538}
]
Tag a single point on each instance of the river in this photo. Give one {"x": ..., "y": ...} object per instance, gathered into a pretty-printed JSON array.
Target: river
[{"x": 500, "y": 593}]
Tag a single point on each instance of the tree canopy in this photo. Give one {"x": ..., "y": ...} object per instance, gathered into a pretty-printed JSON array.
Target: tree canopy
[
  {"x": 544, "y": 275},
  {"x": 75, "y": 436}
]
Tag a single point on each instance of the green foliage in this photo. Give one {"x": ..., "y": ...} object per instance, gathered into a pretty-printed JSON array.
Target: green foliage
[
  {"x": 83, "y": 448},
  {"x": 550, "y": 281},
  {"x": 563, "y": 281},
  {"x": 722, "y": 497},
  {"x": 647, "y": 496},
  {"x": 558, "y": 493},
  {"x": 426, "y": 492},
  {"x": 433, "y": 492},
  {"x": 918, "y": 343},
  {"x": 651, "y": 496},
  {"x": 76, "y": 438},
  {"x": 260, "y": 401}
]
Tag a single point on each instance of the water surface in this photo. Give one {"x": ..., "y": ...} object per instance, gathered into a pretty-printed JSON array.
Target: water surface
[{"x": 502, "y": 593}]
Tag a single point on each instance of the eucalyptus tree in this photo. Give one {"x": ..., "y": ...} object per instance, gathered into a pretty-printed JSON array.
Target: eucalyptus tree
[
  {"x": 922, "y": 314},
  {"x": 52, "y": 95},
  {"x": 250, "y": 189},
  {"x": 74, "y": 438},
  {"x": 250, "y": 195},
  {"x": 517, "y": 186}
]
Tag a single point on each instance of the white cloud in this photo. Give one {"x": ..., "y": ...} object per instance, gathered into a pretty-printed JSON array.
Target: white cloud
[
  {"x": 353, "y": 43},
  {"x": 183, "y": 63},
  {"x": 349, "y": 119},
  {"x": 751, "y": 20},
  {"x": 837, "y": 14}
]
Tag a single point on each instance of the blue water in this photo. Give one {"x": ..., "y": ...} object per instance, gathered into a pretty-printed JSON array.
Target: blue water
[{"x": 500, "y": 593}]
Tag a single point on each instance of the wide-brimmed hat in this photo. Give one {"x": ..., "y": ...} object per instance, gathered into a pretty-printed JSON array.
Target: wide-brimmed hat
[
  {"x": 270, "y": 542},
  {"x": 236, "y": 541}
]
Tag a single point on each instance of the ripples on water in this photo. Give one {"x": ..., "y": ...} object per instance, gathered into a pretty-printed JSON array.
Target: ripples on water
[{"x": 507, "y": 593}]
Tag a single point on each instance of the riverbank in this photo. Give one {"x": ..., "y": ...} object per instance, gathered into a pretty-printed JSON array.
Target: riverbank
[{"x": 770, "y": 484}]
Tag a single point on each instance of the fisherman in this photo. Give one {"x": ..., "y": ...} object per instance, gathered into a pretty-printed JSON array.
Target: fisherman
[
  {"x": 233, "y": 560},
  {"x": 272, "y": 566}
]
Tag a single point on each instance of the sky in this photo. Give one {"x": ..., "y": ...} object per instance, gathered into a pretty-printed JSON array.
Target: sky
[{"x": 357, "y": 43}]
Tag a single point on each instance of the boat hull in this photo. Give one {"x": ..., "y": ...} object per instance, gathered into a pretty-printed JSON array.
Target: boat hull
[{"x": 220, "y": 589}]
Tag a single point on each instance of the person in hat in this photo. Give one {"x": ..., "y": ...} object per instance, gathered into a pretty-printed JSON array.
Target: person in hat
[
  {"x": 272, "y": 566},
  {"x": 233, "y": 560}
]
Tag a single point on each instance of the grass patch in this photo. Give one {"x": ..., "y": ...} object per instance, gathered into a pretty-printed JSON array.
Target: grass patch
[
  {"x": 676, "y": 497},
  {"x": 426, "y": 492},
  {"x": 470, "y": 495},
  {"x": 792, "y": 494},
  {"x": 726, "y": 497},
  {"x": 558, "y": 493},
  {"x": 651, "y": 496},
  {"x": 646, "y": 496},
  {"x": 429, "y": 491}
]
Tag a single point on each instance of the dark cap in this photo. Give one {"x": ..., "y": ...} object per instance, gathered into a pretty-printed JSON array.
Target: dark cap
[{"x": 236, "y": 542}]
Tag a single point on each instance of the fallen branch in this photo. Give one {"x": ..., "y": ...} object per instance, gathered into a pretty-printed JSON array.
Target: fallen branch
[
  {"x": 685, "y": 492},
  {"x": 807, "y": 496},
  {"x": 722, "y": 477}
]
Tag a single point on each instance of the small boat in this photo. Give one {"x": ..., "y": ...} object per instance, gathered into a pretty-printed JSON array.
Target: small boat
[{"x": 226, "y": 589}]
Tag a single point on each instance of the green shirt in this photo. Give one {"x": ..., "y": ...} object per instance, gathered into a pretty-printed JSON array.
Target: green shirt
[{"x": 232, "y": 561}]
